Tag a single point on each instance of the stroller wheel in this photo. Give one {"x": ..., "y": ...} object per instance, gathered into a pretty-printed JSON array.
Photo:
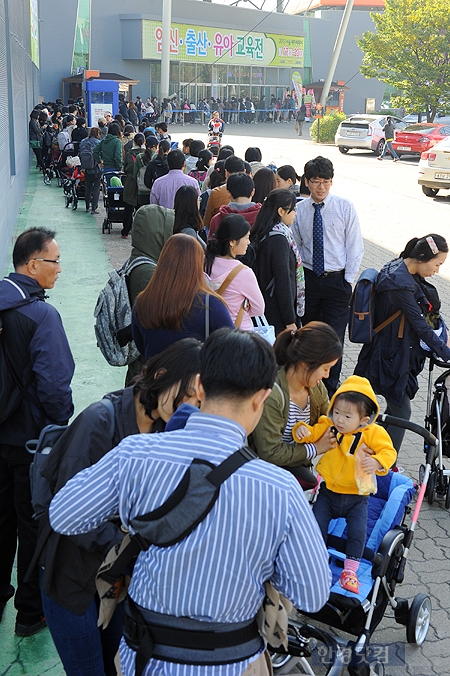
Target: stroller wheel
[
  {"x": 419, "y": 616},
  {"x": 376, "y": 668},
  {"x": 447, "y": 496},
  {"x": 105, "y": 226},
  {"x": 47, "y": 180},
  {"x": 431, "y": 487}
]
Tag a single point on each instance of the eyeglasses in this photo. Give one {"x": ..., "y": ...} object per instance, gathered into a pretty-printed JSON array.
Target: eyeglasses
[
  {"x": 47, "y": 260},
  {"x": 325, "y": 182}
]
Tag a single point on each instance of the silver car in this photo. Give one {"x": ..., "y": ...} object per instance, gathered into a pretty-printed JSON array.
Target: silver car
[
  {"x": 434, "y": 168},
  {"x": 364, "y": 132}
]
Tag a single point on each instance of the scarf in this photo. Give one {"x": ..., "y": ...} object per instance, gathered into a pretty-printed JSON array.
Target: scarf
[{"x": 299, "y": 271}]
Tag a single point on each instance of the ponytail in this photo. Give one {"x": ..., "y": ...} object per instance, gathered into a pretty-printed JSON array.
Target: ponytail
[{"x": 424, "y": 248}]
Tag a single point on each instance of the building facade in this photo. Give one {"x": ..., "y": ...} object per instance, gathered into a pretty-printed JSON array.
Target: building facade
[{"x": 19, "y": 91}]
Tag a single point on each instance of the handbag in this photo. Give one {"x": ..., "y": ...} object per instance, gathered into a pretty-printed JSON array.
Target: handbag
[{"x": 264, "y": 329}]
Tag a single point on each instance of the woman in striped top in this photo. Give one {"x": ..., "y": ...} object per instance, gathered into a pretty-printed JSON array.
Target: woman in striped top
[{"x": 305, "y": 357}]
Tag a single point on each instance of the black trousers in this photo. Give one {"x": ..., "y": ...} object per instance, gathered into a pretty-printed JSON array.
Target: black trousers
[
  {"x": 326, "y": 300},
  {"x": 92, "y": 186},
  {"x": 127, "y": 218},
  {"x": 16, "y": 523}
]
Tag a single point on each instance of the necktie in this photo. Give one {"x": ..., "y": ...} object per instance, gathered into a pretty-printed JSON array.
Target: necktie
[{"x": 318, "y": 262}]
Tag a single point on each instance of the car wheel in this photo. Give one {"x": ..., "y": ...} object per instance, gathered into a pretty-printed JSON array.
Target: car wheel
[
  {"x": 430, "y": 192},
  {"x": 343, "y": 149},
  {"x": 379, "y": 149}
]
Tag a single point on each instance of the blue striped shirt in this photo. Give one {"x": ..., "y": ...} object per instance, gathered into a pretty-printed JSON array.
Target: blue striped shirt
[{"x": 261, "y": 528}]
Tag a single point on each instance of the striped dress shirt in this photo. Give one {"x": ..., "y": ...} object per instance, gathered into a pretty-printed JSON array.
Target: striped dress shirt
[
  {"x": 261, "y": 528},
  {"x": 343, "y": 245}
]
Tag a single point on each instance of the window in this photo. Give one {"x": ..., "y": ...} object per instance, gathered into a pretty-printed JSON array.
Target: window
[
  {"x": 245, "y": 75},
  {"x": 233, "y": 74},
  {"x": 155, "y": 71},
  {"x": 284, "y": 76},
  {"x": 257, "y": 75},
  {"x": 220, "y": 74},
  {"x": 174, "y": 71},
  {"x": 187, "y": 72},
  {"x": 271, "y": 76},
  {"x": 204, "y": 73}
]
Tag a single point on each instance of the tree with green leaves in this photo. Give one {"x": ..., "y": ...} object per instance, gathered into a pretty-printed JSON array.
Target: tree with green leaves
[{"x": 410, "y": 50}]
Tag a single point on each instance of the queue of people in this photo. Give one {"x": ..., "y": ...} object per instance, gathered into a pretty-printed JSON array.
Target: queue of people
[{"x": 205, "y": 386}]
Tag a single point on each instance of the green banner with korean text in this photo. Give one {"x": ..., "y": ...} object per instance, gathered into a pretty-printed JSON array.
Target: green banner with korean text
[{"x": 204, "y": 44}]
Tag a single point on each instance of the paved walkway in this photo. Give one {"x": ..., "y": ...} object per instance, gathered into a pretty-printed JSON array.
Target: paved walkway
[{"x": 86, "y": 258}]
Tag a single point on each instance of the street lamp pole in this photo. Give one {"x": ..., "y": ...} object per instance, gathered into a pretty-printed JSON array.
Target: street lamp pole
[
  {"x": 165, "y": 59},
  {"x": 336, "y": 52}
]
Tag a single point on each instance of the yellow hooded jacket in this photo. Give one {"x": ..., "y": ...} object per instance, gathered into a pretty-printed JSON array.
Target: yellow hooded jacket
[{"x": 337, "y": 466}]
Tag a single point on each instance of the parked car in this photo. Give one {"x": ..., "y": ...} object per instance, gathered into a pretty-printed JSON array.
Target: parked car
[
  {"x": 417, "y": 138},
  {"x": 364, "y": 132},
  {"x": 414, "y": 117},
  {"x": 434, "y": 168}
]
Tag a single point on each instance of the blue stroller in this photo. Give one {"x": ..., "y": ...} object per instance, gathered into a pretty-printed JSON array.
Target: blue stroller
[{"x": 381, "y": 569}]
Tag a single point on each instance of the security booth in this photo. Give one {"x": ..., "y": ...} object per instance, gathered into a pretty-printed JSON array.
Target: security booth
[{"x": 102, "y": 96}]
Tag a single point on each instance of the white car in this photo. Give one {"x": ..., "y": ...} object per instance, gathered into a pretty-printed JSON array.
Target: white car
[
  {"x": 434, "y": 168},
  {"x": 364, "y": 132}
]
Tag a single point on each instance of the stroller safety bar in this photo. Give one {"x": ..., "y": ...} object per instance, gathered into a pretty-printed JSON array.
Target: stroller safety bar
[
  {"x": 438, "y": 362},
  {"x": 408, "y": 425}
]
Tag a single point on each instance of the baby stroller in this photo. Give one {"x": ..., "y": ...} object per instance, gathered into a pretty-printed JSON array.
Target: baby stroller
[
  {"x": 214, "y": 139},
  {"x": 61, "y": 166},
  {"x": 437, "y": 421},
  {"x": 74, "y": 187},
  {"x": 381, "y": 569},
  {"x": 112, "y": 201}
]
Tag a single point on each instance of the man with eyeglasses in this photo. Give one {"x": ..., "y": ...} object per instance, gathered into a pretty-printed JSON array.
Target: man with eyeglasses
[
  {"x": 36, "y": 368},
  {"x": 327, "y": 231}
]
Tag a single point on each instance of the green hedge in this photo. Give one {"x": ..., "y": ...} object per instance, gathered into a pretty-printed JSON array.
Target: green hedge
[{"x": 328, "y": 127}]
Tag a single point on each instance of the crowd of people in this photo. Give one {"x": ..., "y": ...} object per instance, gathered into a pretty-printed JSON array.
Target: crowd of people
[{"x": 225, "y": 245}]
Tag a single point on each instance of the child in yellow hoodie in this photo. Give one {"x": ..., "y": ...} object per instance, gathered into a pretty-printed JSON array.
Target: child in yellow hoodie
[{"x": 352, "y": 414}]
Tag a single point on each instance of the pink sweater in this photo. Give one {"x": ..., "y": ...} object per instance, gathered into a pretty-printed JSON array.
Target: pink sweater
[{"x": 244, "y": 285}]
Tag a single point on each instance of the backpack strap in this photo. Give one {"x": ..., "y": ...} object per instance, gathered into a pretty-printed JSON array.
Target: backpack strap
[
  {"x": 225, "y": 284},
  {"x": 389, "y": 320},
  {"x": 112, "y": 423},
  {"x": 227, "y": 281},
  {"x": 138, "y": 542}
]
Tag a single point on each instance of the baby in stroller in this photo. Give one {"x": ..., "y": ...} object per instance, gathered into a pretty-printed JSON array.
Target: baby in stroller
[{"x": 362, "y": 449}]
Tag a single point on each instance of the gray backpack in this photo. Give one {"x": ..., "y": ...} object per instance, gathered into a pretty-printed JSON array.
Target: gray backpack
[{"x": 113, "y": 314}]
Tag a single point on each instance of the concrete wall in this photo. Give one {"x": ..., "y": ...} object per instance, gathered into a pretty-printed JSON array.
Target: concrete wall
[
  {"x": 19, "y": 90},
  {"x": 324, "y": 29}
]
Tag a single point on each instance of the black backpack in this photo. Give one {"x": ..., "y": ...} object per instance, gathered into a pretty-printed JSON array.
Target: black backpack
[{"x": 41, "y": 492}]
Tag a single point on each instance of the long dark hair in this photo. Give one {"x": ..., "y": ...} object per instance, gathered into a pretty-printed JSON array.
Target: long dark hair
[
  {"x": 217, "y": 176},
  {"x": 313, "y": 345},
  {"x": 286, "y": 172},
  {"x": 177, "y": 281},
  {"x": 421, "y": 249},
  {"x": 164, "y": 146},
  {"x": 232, "y": 227},
  {"x": 268, "y": 214},
  {"x": 204, "y": 158},
  {"x": 264, "y": 181},
  {"x": 179, "y": 363},
  {"x": 186, "y": 209}
]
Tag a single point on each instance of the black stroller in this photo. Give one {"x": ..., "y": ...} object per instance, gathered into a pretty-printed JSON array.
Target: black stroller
[
  {"x": 112, "y": 201},
  {"x": 381, "y": 569},
  {"x": 74, "y": 186},
  {"x": 437, "y": 421}
]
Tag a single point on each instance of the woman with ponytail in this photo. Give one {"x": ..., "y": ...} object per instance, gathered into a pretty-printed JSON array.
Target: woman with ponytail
[
  {"x": 158, "y": 166},
  {"x": 288, "y": 179},
  {"x": 235, "y": 282},
  {"x": 200, "y": 170},
  {"x": 277, "y": 263},
  {"x": 396, "y": 355},
  {"x": 305, "y": 356}
]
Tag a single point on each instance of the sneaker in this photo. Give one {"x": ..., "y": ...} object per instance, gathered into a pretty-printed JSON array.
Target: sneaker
[
  {"x": 395, "y": 159},
  {"x": 349, "y": 581},
  {"x": 124, "y": 236},
  {"x": 380, "y": 158},
  {"x": 30, "y": 629},
  {"x": 95, "y": 211}
]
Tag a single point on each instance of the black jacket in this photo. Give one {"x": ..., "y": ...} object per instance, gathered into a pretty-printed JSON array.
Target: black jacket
[
  {"x": 392, "y": 364},
  {"x": 71, "y": 562},
  {"x": 33, "y": 336},
  {"x": 275, "y": 268}
]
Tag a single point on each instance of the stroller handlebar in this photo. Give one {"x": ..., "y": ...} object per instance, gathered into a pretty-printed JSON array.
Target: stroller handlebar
[
  {"x": 408, "y": 425},
  {"x": 439, "y": 362}
]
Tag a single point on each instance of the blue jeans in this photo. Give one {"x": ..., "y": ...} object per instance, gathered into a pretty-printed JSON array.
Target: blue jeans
[
  {"x": 353, "y": 508},
  {"x": 388, "y": 146},
  {"x": 84, "y": 648}
]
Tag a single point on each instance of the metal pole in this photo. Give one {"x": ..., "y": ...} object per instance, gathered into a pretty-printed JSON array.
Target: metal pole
[
  {"x": 165, "y": 59},
  {"x": 336, "y": 52}
]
